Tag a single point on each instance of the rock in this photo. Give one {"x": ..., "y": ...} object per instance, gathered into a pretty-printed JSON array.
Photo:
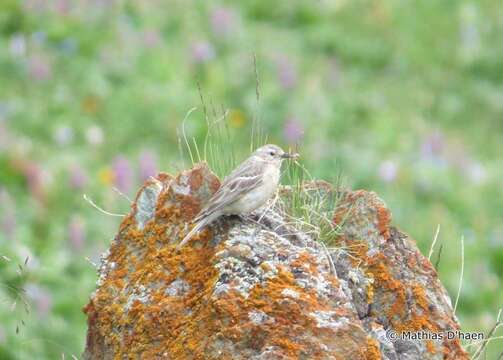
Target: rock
[{"x": 247, "y": 290}]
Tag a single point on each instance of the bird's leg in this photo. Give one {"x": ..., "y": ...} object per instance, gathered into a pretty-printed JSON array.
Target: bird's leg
[
  {"x": 252, "y": 218},
  {"x": 269, "y": 207}
]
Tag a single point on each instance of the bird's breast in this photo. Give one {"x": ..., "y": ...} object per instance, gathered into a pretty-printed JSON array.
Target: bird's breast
[{"x": 258, "y": 196}]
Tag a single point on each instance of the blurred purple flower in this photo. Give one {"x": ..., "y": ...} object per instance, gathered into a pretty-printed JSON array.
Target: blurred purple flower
[
  {"x": 78, "y": 178},
  {"x": 151, "y": 37},
  {"x": 39, "y": 68},
  {"x": 202, "y": 51},
  {"x": 63, "y": 135},
  {"x": 293, "y": 131},
  {"x": 17, "y": 45},
  {"x": 77, "y": 232},
  {"x": 123, "y": 174},
  {"x": 8, "y": 220},
  {"x": 148, "y": 164},
  {"x": 40, "y": 297},
  {"x": 388, "y": 171},
  {"x": 433, "y": 145},
  {"x": 287, "y": 74},
  {"x": 94, "y": 135},
  {"x": 223, "y": 21}
]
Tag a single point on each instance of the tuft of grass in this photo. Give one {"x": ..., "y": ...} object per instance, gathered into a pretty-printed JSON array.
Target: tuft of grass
[
  {"x": 309, "y": 204},
  {"x": 481, "y": 345}
]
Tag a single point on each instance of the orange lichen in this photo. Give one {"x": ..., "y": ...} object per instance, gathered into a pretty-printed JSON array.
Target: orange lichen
[
  {"x": 420, "y": 296},
  {"x": 430, "y": 347},
  {"x": 139, "y": 312},
  {"x": 383, "y": 221},
  {"x": 372, "y": 351}
]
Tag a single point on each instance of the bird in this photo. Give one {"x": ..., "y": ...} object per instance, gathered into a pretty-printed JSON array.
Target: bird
[{"x": 245, "y": 189}]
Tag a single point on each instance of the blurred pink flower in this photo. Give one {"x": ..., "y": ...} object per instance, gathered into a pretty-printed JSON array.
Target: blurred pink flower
[
  {"x": 293, "y": 131},
  {"x": 388, "y": 171},
  {"x": 287, "y": 73},
  {"x": 35, "y": 179},
  {"x": 94, "y": 135},
  {"x": 78, "y": 178},
  {"x": 62, "y": 7},
  {"x": 223, "y": 21},
  {"x": 40, "y": 297},
  {"x": 77, "y": 232},
  {"x": 123, "y": 174},
  {"x": 151, "y": 37},
  {"x": 202, "y": 51},
  {"x": 148, "y": 164},
  {"x": 17, "y": 45},
  {"x": 39, "y": 68}
]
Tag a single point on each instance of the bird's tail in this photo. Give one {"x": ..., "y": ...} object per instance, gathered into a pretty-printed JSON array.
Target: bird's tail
[{"x": 199, "y": 225}]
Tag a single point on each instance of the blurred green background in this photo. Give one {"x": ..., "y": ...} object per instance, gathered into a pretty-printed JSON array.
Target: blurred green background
[{"x": 405, "y": 98}]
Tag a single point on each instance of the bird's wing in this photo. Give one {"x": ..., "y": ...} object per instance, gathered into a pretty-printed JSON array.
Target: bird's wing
[{"x": 244, "y": 178}]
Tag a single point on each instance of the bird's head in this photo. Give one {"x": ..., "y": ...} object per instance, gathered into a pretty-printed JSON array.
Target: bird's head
[{"x": 274, "y": 153}]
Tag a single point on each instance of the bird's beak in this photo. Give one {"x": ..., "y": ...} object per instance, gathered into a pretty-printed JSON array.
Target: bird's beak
[{"x": 290, "y": 156}]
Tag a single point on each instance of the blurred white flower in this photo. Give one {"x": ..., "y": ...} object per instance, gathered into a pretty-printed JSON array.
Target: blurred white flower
[
  {"x": 94, "y": 135},
  {"x": 63, "y": 135},
  {"x": 17, "y": 45},
  {"x": 469, "y": 32},
  {"x": 388, "y": 171},
  {"x": 477, "y": 173}
]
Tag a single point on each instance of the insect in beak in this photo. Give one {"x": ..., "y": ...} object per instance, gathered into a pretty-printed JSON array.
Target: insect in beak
[{"x": 290, "y": 156}]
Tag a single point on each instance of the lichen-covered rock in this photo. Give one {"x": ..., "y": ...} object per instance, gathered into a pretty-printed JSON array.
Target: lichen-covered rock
[{"x": 243, "y": 289}]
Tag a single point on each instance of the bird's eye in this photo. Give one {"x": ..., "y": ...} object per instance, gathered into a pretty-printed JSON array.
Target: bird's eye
[{"x": 271, "y": 153}]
